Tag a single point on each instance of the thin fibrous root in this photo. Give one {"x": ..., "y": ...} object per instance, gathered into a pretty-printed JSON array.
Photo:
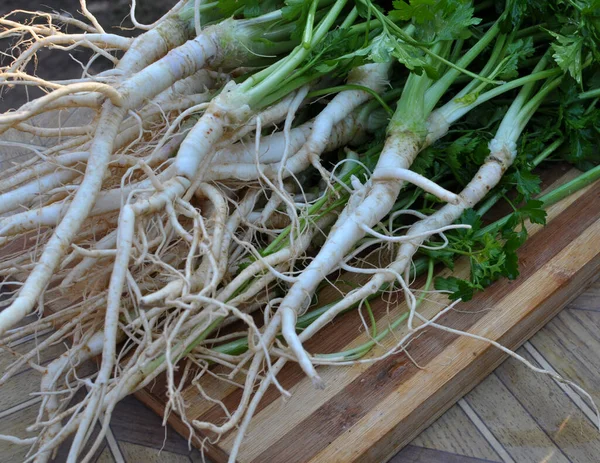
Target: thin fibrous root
[{"x": 154, "y": 79}]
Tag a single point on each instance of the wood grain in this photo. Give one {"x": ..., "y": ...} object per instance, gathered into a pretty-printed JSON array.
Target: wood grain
[
  {"x": 510, "y": 422},
  {"x": 14, "y": 424},
  {"x": 571, "y": 343},
  {"x": 369, "y": 411},
  {"x": 134, "y": 452},
  {"x": 559, "y": 417},
  {"x": 455, "y": 433},
  {"x": 414, "y": 454},
  {"x": 105, "y": 457}
]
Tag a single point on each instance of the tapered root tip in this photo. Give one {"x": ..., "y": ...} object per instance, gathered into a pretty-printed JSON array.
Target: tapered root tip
[{"x": 318, "y": 383}]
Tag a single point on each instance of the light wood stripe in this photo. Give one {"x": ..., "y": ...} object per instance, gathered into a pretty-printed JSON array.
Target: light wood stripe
[
  {"x": 414, "y": 454},
  {"x": 111, "y": 441},
  {"x": 554, "y": 413}
]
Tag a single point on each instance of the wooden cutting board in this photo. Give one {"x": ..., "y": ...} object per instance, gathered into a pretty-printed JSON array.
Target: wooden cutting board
[{"x": 369, "y": 411}]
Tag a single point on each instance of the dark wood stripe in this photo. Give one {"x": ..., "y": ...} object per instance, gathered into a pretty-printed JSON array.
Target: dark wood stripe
[
  {"x": 63, "y": 450},
  {"x": 198, "y": 440},
  {"x": 345, "y": 409},
  {"x": 587, "y": 324},
  {"x": 134, "y": 422}
]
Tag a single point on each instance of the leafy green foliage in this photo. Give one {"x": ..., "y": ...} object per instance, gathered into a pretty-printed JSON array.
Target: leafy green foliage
[
  {"x": 579, "y": 121},
  {"x": 492, "y": 253},
  {"x": 527, "y": 183},
  {"x": 516, "y": 52},
  {"x": 576, "y": 33},
  {"x": 386, "y": 48},
  {"x": 583, "y": 133},
  {"x": 438, "y": 19},
  {"x": 434, "y": 20},
  {"x": 568, "y": 54},
  {"x": 334, "y": 52},
  {"x": 524, "y": 11},
  {"x": 418, "y": 11},
  {"x": 463, "y": 155},
  {"x": 424, "y": 162}
]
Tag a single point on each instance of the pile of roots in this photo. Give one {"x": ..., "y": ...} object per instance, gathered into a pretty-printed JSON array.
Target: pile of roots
[{"x": 231, "y": 160}]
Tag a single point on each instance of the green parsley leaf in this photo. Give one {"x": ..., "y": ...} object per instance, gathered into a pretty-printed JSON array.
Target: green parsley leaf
[
  {"x": 527, "y": 183},
  {"x": 419, "y": 11},
  {"x": 567, "y": 54},
  {"x": 459, "y": 289},
  {"x": 534, "y": 211}
]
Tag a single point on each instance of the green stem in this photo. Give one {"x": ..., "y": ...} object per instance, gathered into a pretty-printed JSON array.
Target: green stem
[
  {"x": 590, "y": 94},
  {"x": 563, "y": 191},
  {"x": 308, "y": 29},
  {"x": 518, "y": 113},
  {"x": 531, "y": 107},
  {"x": 275, "y": 76},
  {"x": 239, "y": 346},
  {"x": 456, "y": 68},
  {"x": 287, "y": 88},
  {"x": 369, "y": 107},
  {"x": 361, "y": 350},
  {"x": 547, "y": 152},
  {"x": 454, "y": 111},
  {"x": 342, "y": 88},
  {"x": 583, "y": 180},
  {"x": 457, "y": 50},
  {"x": 430, "y": 268},
  {"x": 411, "y": 112},
  {"x": 531, "y": 30},
  {"x": 371, "y": 319},
  {"x": 152, "y": 366},
  {"x": 350, "y": 19},
  {"x": 366, "y": 26}
]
